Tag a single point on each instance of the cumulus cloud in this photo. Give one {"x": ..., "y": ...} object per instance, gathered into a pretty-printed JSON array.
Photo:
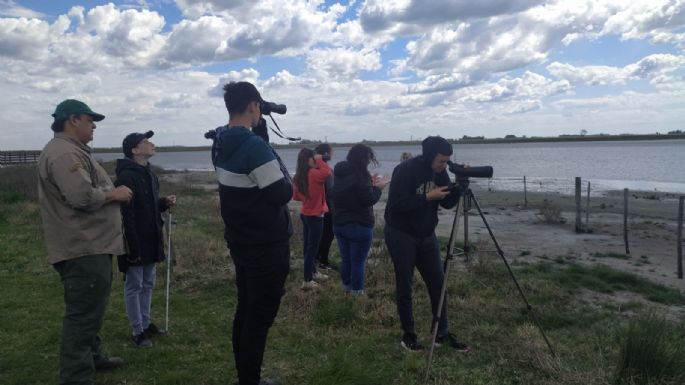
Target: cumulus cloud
[
  {"x": 377, "y": 15},
  {"x": 341, "y": 63},
  {"x": 9, "y": 8},
  {"x": 655, "y": 68}
]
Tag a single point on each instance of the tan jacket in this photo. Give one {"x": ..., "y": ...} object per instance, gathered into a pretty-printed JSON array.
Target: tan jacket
[{"x": 71, "y": 194}]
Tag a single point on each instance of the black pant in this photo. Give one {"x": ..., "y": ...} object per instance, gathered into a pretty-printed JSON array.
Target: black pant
[
  {"x": 326, "y": 239},
  {"x": 406, "y": 253},
  {"x": 260, "y": 273}
]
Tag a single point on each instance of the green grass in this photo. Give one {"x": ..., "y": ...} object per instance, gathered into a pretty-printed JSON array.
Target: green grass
[
  {"x": 324, "y": 337},
  {"x": 603, "y": 279}
]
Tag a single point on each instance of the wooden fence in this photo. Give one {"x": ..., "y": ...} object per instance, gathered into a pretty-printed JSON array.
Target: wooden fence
[{"x": 18, "y": 157}]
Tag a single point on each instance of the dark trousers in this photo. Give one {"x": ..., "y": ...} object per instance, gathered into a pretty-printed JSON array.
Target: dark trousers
[
  {"x": 326, "y": 238},
  {"x": 311, "y": 237},
  {"x": 260, "y": 274},
  {"x": 87, "y": 283},
  {"x": 406, "y": 253}
]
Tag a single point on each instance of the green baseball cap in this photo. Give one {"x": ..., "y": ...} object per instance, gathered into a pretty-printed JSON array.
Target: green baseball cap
[{"x": 75, "y": 107}]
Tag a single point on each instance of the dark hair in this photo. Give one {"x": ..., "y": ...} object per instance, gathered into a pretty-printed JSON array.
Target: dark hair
[
  {"x": 360, "y": 156},
  {"x": 434, "y": 145},
  {"x": 58, "y": 124},
  {"x": 323, "y": 148},
  {"x": 237, "y": 95},
  {"x": 301, "y": 177}
]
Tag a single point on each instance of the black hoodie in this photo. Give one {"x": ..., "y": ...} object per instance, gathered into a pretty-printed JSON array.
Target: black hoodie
[
  {"x": 407, "y": 209},
  {"x": 142, "y": 217},
  {"x": 353, "y": 196}
]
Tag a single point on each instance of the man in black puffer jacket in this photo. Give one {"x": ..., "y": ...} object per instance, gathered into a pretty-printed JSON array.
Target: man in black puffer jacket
[{"x": 143, "y": 232}]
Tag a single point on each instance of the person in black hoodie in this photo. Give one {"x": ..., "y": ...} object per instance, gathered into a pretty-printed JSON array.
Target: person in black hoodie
[
  {"x": 355, "y": 192},
  {"x": 419, "y": 185},
  {"x": 143, "y": 224}
]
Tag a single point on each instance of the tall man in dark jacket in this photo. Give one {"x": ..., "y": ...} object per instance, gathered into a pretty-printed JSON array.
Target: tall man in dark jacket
[
  {"x": 254, "y": 189},
  {"x": 418, "y": 186},
  {"x": 143, "y": 233}
]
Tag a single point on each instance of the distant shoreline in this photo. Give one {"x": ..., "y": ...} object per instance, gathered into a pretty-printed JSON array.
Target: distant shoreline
[
  {"x": 381, "y": 143},
  {"x": 564, "y": 138}
]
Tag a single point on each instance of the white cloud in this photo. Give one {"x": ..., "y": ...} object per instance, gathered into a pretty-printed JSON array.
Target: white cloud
[
  {"x": 9, "y": 8},
  {"x": 653, "y": 67},
  {"x": 468, "y": 68},
  {"x": 340, "y": 63}
]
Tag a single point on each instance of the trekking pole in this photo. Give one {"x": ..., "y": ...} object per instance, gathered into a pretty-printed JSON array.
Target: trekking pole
[{"x": 168, "y": 272}]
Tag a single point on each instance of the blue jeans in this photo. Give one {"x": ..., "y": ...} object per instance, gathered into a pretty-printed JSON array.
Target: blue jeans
[
  {"x": 354, "y": 242},
  {"x": 138, "y": 295},
  {"x": 312, "y": 228}
]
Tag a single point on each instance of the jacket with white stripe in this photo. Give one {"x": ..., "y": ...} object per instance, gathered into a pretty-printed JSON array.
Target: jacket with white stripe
[{"x": 253, "y": 189}]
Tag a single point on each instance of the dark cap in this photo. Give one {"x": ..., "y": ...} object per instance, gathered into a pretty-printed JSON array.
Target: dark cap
[
  {"x": 132, "y": 140},
  {"x": 75, "y": 107}
]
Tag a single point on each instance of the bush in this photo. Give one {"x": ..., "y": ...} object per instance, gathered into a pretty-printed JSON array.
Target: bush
[
  {"x": 19, "y": 183},
  {"x": 652, "y": 352},
  {"x": 550, "y": 213}
]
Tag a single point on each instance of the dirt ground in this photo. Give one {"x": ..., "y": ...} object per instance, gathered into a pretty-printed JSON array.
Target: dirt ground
[{"x": 523, "y": 233}]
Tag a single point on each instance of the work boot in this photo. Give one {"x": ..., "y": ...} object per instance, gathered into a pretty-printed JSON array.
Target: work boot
[{"x": 106, "y": 363}]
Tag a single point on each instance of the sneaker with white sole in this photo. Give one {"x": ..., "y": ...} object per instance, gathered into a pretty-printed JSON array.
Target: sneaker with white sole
[
  {"x": 451, "y": 340},
  {"x": 410, "y": 343},
  {"x": 320, "y": 276},
  {"x": 310, "y": 285}
]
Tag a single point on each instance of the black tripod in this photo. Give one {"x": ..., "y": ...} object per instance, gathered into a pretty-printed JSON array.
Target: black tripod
[{"x": 464, "y": 201}]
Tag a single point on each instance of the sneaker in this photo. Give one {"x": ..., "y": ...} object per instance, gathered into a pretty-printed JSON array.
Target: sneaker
[
  {"x": 452, "y": 341},
  {"x": 410, "y": 343},
  {"x": 311, "y": 285},
  {"x": 152, "y": 330},
  {"x": 326, "y": 266},
  {"x": 269, "y": 381},
  {"x": 141, "y": 340},
  {"x": 106, "y": 363},
  {"x": 320, "y": 276}
]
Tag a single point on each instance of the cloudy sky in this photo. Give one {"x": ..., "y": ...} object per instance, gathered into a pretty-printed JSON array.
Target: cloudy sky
[{"x": 349, "y": 70}]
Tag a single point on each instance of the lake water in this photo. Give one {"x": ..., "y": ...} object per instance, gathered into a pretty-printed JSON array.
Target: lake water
[{"x": 657, "y": 165}]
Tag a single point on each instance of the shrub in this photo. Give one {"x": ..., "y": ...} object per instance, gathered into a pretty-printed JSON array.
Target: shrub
[
  {"x": 651, "y": 353},
  {"x": 550, "y": 213}
]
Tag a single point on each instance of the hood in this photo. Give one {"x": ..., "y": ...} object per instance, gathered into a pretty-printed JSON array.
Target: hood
[
  {"x": 343, "y": 169},
  {"x": 129, "y": 164},
  {"x": 228, "y": 140}
]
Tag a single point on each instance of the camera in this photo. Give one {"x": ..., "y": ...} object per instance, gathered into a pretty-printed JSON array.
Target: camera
[
  {"x": 268, "y": 107},
  {"x": 470, "y": 172}
]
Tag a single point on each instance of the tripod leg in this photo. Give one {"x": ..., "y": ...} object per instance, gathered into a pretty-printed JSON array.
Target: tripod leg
[
  {"x": 448, "y": 255},
  {"x": 467, "y": 207},
  {"x": 511, "y": 273}
]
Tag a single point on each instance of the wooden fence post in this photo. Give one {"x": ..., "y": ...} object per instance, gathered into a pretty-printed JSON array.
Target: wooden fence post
[
  {"x": 680, "y": 236},
  {"x": 625, "y": 220},
  {"x": 587, "y": 209},
  {"x": 525, "y": 192},
  {"x": 579, "y": 226}
]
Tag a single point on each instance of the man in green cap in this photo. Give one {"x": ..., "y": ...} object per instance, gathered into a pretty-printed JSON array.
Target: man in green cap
[{"x": 80, "y": 208}]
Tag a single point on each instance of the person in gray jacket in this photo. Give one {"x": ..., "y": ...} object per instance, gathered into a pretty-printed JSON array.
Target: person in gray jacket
[{"x": 79, "y": 208}]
